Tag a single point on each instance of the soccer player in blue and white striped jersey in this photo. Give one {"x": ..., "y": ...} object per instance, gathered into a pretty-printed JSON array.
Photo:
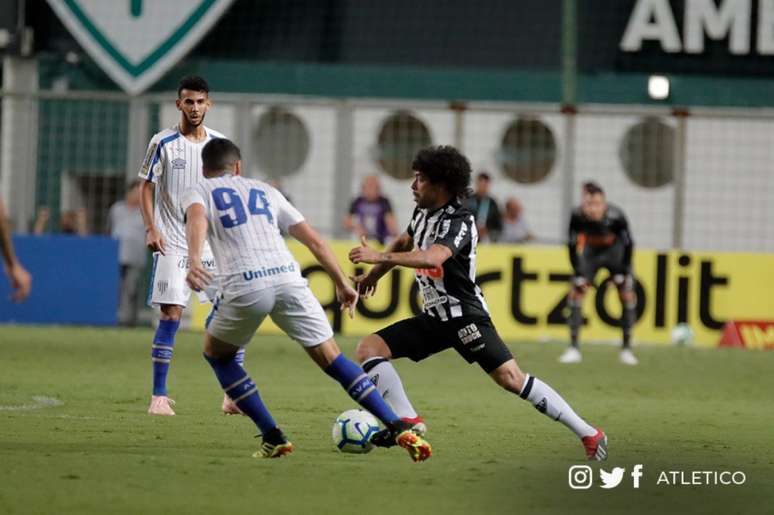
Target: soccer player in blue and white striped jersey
[
  {"x": 257, "y": 277},
  {"x": 173, "y": 164}
]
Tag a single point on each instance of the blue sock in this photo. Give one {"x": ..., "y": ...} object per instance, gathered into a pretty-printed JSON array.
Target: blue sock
[
  {"x": 242, "y": 390},
  {"x": 161, "y": 354},
  {"x": 240, "y": 356},
  {"x": 359, "y": 387}
]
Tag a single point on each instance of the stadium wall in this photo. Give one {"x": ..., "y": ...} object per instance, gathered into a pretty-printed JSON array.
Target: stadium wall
[{"x": 74, "y": 281}]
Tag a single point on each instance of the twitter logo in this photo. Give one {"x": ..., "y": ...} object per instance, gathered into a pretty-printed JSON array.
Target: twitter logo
[{"x": 611, "y": 479}]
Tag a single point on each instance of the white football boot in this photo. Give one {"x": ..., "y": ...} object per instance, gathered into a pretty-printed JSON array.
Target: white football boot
[
  {"x": 571, "y": 355},
  {"x": 627, "y": 357}
]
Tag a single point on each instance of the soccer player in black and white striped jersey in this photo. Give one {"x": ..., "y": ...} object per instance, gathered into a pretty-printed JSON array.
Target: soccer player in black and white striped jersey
[{"x": 440, "y": 244}]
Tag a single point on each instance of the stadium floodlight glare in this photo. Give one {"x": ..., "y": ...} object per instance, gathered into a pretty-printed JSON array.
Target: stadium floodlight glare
[{"x": 658, "y": 87}]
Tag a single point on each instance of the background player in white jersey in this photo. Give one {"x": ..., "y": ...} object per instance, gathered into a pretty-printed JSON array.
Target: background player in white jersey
[
  {"x": 440, "y": 245},
  {"x": 171, "y": 166},
  {"x": 258, "y": 276}
]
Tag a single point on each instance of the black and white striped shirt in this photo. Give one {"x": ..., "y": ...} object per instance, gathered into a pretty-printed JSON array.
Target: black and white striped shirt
[{"x": 450, "y": 291}]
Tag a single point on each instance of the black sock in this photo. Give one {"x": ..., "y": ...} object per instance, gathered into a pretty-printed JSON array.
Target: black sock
[
  {"x": 627, "y": 321},
  {"x": 575, "y": 321}
]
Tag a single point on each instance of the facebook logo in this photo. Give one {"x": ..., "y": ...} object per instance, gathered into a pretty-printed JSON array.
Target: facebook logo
[{"x": 636, "y": 475}]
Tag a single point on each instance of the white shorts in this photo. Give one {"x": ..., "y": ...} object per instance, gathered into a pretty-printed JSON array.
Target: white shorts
[
  {"x": 168, "y": 284},
  {"x": 291, "y": 306}
]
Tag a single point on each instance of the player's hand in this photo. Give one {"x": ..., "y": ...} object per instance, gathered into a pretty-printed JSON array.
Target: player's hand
[
  {"x": 365, "y": 284},
  {"x": 364, "y": 253},
  {"x": 198, "y": 277},
  {"x": 21, "y": 282},
  {"x": 347, "y": 297},
  {"x": 154, "y": 240}
]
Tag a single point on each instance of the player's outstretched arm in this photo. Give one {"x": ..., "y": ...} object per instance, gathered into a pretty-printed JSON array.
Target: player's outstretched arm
[
  {"x": 195, "y": 233},
  {"x": 433, "y": 257},
  {"x": 366, "y": 283},
  {"x": 402, "y": 243},
  {"x": 346, "y": 295}
]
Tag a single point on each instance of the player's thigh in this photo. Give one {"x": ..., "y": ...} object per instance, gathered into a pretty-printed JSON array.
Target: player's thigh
[
  {"x": 168, "y": 286},
  {"x": 478, "y": 342},
  {"x": 299, "y": 314},
  {"x": 235, "y": 322},
  {"x": 415, "y": 338},
  {"x": 588, "y": 265}
]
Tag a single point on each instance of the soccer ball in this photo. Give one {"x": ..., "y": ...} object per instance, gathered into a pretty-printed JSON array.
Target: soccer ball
[
  {"x": 353, "y": 430},
  {"x": 682, "y": 334}
]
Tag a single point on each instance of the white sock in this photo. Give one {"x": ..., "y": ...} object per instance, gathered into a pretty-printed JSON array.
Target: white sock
[
  {"x": 547, "y": 401},
  {"x": 387, "y": 381}
]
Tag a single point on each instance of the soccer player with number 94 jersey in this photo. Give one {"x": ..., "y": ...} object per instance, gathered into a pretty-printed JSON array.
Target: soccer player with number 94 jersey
[{"x": 257, "y": 276}]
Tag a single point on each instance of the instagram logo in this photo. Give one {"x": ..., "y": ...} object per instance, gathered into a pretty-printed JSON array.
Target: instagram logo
[{"x": 580, "y": 477}]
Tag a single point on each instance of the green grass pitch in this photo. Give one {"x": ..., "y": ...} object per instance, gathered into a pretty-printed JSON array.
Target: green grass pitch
[{"x": 682, "y": 409}]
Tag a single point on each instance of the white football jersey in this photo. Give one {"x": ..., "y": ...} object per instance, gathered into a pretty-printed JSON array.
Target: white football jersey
[
  {"x": 174, "y": 164},
  {"x": 245, "y": 217}
]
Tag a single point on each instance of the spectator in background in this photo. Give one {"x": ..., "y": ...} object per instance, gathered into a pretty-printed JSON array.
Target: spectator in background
[
  {"x": 41, "y": 221},
  {"x": 515, "y": 228},
  {"x": 126, "y": 225},
  {"x": 370, "y": 214},
  {"x": 488, "y": 219},
  {"x": 72, "y": 222},
  {"x": 21, "y": 280}
]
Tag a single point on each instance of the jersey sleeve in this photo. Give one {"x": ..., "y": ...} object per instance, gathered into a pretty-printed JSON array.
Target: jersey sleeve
[
  {"x": 456, "y": 231},
  {"x": 152, "y": 165},
  {"x": 287, "y": 215},
  {"x": 193, "y": 196}
]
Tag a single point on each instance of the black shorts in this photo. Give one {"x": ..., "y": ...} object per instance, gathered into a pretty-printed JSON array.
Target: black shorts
[
  {"x": 475, "y": 338},
  {"x": 611, "y": 258}
]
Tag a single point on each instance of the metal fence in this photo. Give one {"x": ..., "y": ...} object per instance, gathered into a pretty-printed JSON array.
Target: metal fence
[{"x": 698, "y": 180}]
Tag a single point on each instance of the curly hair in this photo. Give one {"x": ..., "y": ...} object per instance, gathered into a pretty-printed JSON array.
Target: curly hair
[
  {"x": 192, "y": 83},
  {"x": 445, "y": 165}
]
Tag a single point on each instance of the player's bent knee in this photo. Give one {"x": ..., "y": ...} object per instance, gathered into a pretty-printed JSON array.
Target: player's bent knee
[
  {"x": 509, "y": 376},
  {"x": 325, "y": 353},
  {"x": 217, "y": 349},
  {"x": 372, "y": 346},
  {"x": 171, "y": 312},
  {"x": 576, "y": 294}
]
